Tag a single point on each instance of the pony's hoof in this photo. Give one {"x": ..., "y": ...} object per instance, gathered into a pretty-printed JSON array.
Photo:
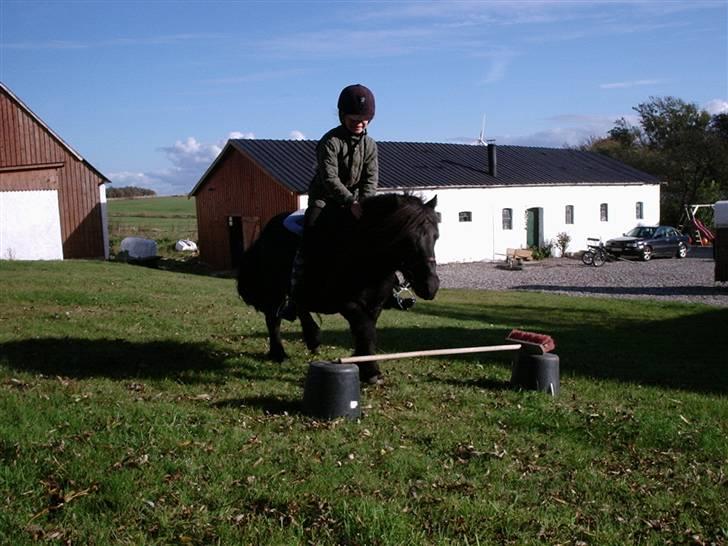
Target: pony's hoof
[
  {"x": 277, "y": 356},
  {"x": 373, "y": 380},
  {"x": 313, "y": 342},
  {"x": 313, "y": 347}
]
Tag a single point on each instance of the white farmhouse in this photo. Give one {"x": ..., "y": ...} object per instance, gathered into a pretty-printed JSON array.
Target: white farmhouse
[{"x": 489, "y": 198}]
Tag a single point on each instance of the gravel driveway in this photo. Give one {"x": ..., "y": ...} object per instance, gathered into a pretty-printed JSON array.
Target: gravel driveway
[{"x": 662, "y": 279}]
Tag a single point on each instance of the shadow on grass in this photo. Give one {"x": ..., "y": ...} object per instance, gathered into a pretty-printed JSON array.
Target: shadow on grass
[
  {"x": 120, "y": 359},
  {"x": 478, "y": 383},
  {"x": 631, "y": 290},
  {"x": 188, "y": 265},
  {"x": 267, "y": 404},
  {"x": 685, "y": 352}
]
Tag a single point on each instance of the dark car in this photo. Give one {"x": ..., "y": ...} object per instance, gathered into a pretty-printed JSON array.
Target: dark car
[{"x": 648, "y": 241}]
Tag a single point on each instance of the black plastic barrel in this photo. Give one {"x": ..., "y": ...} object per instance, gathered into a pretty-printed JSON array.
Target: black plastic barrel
[
  {"x": 537, "y": 372},
  {"x": 332, "y": 390}
]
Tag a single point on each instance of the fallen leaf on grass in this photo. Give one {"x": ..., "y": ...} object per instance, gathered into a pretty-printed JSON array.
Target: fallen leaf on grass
[
  {"x": 16, "y": 383},
  {"x": 57, "y": 499}
]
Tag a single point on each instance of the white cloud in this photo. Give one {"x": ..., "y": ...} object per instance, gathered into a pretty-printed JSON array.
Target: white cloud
[
  {"x": 296, "y": 135},
  {"x": 162, "y": 39},
  {"x": 190, "y": 158},
  {"x": 633, "y": 83},
  {"x": 238, "y": 134},
  {"x": 568, "y": 130},
  {"x": 557, "y": 137},
  {"x": 716, "y": 106},
  {"x": 257, "y": 77}
]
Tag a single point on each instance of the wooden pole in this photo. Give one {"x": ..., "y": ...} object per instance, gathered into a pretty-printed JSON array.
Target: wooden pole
[{"x": 433, "y": 352}]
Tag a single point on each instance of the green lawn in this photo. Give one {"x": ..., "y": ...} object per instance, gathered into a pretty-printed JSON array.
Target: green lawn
[{"x": 136, "y": 408}]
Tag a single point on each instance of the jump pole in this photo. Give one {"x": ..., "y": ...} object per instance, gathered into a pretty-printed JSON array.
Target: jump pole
[
  {"x": 332, "y": 387},
  {"x": 432, "y": 352}
]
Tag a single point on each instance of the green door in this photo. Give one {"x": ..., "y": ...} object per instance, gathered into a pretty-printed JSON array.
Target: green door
[{"x": 533, "y": 225}]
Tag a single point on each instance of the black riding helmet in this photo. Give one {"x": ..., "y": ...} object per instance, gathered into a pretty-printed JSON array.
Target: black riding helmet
[{"x": 356, "y": 100}]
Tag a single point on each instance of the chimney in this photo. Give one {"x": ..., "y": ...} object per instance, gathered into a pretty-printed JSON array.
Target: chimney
[{"x": 492, "y": 160}]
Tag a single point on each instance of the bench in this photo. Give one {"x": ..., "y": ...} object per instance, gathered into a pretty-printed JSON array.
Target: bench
[
  {"x": 516, "y": 256},
  {"x": 523, "y": 254}
]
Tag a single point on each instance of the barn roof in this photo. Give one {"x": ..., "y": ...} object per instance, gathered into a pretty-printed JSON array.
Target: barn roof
[
  {"x": 419, "y": 165},
  {"x": 50, "y": 131}
]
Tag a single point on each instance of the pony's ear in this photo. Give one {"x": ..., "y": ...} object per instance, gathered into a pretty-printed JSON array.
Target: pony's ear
[{"x": 432, "y": 203}]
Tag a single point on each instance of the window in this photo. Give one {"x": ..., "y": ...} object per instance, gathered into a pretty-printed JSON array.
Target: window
[
  {"x": 604, "y": 212},
  {"x": 569, "y": 214},
  {"x": 465, "y": 216},
  {"x": 507, "y": 218},
  {"x": 639, "y": 210}
]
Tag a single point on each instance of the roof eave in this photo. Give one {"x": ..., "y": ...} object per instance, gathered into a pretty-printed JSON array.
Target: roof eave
[
  {"x": 62, "y": 142},
  {"x": 517, "y": 184},
  {"x": 210, "y": 169}
]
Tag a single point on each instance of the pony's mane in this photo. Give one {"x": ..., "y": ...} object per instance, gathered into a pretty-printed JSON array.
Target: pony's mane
[{"x": 390, "y": 218}]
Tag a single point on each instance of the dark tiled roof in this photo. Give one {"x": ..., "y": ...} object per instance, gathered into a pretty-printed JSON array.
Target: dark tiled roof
[{"x": 405, "y": 165}]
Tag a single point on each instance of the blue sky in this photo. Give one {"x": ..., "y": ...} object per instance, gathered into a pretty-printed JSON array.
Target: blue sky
[{"x": 148, "y": 92}]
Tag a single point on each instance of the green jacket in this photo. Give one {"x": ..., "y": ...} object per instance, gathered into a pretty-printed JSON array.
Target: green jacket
[{"x": 347, "y": 169}]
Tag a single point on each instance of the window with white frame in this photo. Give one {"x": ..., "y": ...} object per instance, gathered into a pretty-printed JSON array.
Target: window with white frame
[
  {"x": 639, "y": 210},
  {"x": 569, "y": 214},
  {"x": 465, "y": 216},
  {"x": 604, "y": 212},
  {"x": 507, "y": 218}
]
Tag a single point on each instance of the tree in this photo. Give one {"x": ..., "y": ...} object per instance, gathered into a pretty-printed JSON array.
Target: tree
[
  {"x": 677, "y": 142},
  {"x": 129, "y": 192}
]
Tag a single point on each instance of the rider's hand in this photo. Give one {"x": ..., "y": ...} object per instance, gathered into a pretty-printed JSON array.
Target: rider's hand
[{"x": 356, "y": 209}]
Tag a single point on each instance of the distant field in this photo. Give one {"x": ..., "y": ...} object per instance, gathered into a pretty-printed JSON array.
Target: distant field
[{"x": 164, "y": 219}]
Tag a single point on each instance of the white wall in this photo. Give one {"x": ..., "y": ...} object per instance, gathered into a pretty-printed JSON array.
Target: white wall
[
  {"x": 104, "y": 219},
  {"x": 485, "y": 239},
  {"x": 30, "y": 226}
]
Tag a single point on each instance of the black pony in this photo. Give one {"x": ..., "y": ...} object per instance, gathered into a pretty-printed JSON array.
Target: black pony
[{"x": 349, "y": 268}]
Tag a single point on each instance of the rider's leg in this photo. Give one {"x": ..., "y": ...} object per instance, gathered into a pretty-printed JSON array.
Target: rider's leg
[{"x": 288, "y": 310}]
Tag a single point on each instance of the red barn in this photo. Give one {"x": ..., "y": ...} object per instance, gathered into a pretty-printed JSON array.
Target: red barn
[
  {"x": 234, "y": 199},
  {"x": 52, "y": 201}
]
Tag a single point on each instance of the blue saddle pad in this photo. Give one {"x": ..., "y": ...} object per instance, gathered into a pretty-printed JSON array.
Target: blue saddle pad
[{"x": 294, "y": 222}]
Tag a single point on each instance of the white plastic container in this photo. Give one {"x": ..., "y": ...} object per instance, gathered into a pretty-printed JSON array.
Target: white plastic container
[
  {"x": 138, "y": 248},
  {"x": 720, "y": 214}
]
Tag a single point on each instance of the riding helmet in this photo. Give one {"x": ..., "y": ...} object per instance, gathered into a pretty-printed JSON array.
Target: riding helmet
[{"x": 356, "y": 100}]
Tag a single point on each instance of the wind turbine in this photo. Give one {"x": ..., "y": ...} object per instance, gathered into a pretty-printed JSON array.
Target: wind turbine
[{"x": 481, "y": 140}]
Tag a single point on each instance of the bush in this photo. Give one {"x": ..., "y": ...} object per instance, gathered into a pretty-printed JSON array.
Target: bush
[
  {"x": 541, "y": 252},
  {"x": 562, "y": 242}
]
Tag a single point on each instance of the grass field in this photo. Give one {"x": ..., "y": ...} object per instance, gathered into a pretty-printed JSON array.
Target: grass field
[
  {"x": 164, "y": 219},
  {"x": 136, "y": 408}
]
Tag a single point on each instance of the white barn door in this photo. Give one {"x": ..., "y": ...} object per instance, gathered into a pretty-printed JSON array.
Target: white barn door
[{"x": 30, "y": 225}]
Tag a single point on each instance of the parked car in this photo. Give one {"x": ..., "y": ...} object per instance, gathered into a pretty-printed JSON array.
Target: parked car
[{"x": 645, "y": 242}]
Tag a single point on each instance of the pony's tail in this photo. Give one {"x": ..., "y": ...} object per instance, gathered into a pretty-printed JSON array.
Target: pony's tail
[{"x": 248, "y": 276}]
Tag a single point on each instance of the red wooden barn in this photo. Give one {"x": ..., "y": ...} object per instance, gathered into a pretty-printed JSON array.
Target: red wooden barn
[
  {"x": 234, "y": 198},
  {"x": 52, "y": 201}
]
